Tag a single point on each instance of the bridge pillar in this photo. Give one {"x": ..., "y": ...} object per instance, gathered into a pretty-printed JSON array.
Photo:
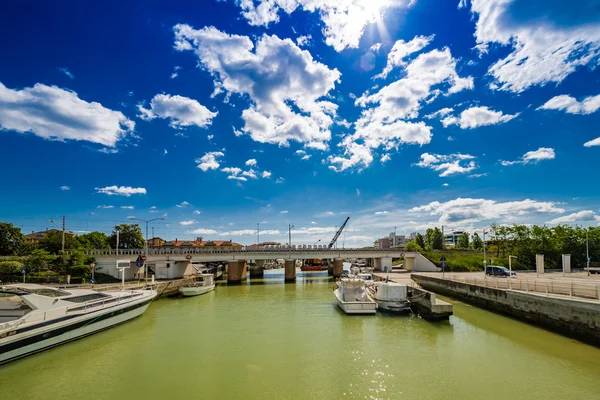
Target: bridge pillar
[
  {"x": 338, "y": 267},
  {"x": 377, "y": 264},
  {"x": 330, "y": 267},
  {"x": 236, "y": 271},
  {"x": 290, "y": 270},
  {"x": 409, "y": 263},
  {"x": 258, "y": 270}
]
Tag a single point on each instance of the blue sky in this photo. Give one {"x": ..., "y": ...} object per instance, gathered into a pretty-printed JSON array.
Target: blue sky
[{"x": 220, "y": 115}]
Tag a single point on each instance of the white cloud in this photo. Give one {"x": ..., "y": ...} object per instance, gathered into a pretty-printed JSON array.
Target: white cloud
[
  {"x": 357, "y": 192},
  {"x": 182, "y": 204},
  {"x": 65, "y": 188},
  {"x": 345, "y": 20},
  {"x": 326, "y": 214},
  {"x": 375, "y": 48},
  {"x": 58, "y": 114},
  {"x": 580, "y": 216},
  {"x": 283, "y": 212},
  {"x": 445, "y": 185},
  {"x": 175, "y": 74},
  {"x": 384, "y": 124},
  {"x": 385, "y": 158},
  {"x": 594, "y": 142},
  {"x": 251, "y": 162},
  {"x": 266, "y": 174},
  {"x": 381, "y": 212},
  {"x": 570, "y": 104},
  {"x": 280, "y": 180},
  {"x": 203, "y": 231},
  {"x": 401, "y": 50},
  {"x": 126, "y": 191},
  {"x": 106, "y": 207},
  {"x": 477, "y": 175},
  {"x": 303, "y": 40},
  {"x": 549, "y": 41},
  {"x": 475, "y": 117},
  {"x": 533, "y": 157},
  {"x": 188, "y": 222},
  {"x": 127, "y": 207},
  {"x": 197, "y": 212},
  {"x": 66, "y": 71},
  {"x": 294, "y": 80},
  {"x": 180, "y": 111},
  {"x": 440, "y": 113},
  {"x": 448, "y": 164},
  {"x": 468, "y": 211},
  {"x": 209, "y": 161}
]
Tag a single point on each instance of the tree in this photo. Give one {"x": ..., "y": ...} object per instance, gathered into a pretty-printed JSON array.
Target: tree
[
  {"x": 477, "y": 242},
  {"x": 130, "y": 237},
  {"x": 52, "y": 243},
  {"x": 38, "y": 260},
  {"x": 463, "y": 241},
  {"x": 420, "y": 240},
  {"x": 438, "y": 239},
  {"x": 94, "y": 240},
  {"x": 12, "y": 240},
  {"x": 413, "y": 246}
]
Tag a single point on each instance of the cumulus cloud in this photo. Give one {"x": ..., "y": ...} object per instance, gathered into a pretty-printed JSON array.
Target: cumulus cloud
[
  {"x": 569, "y": 104},
  {"x": 381, "y": 212},
  {"x": 58, "y": 114},
  {"x": 182, "y": 204},
  {"x": 180, "y": 111},
  {"x": 127, "y": 207},
  {"x": 243, "y": 232},
  {"x": 251, "y": 162},
  {"x": 234, "y": 173},
  {"x": 285, "y": 98},
  {"x": 126, "y": 191},
  {"x": 549, "y": 41},
  {"x": 303, "y": 40},
  {"x": 468, "y": 211},
  {"x": 475, "y": 117},
  {"x": 345, "y": 21},
  {"x": 593, "y": 142},
  {"x": 533, "y": 157},
  {"x": 383, "y": 122},
  {"x": 283, "y": 212},
  {"x": 280, "y": 180},
  {"x": 188, "y": 222},
  {"x": 209, "y": 160},
  {"x": 448, "y": 164},
  {"x": 580, "y": 216},
  {"x": 106, "y": 207},
  {"x": 401, "y": 50},
  {"x": 65, "y": 188},
  {"x": 203, "y": 231},
  {"x": 266, "y": 174}
]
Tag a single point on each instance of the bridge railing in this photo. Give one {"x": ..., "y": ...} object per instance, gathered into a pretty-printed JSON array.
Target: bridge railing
[{"x": 243, "y": 250}]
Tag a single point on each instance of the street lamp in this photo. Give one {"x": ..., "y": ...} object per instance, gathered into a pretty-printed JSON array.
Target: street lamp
[
  {"x": 484, "y": 257},
  {"x": 510, "y": 270},
  {"x": 147, "y": 222}
]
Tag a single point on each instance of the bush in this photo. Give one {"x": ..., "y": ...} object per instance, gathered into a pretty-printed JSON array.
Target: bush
[
  {"x": 464, "y": 261},
  {"x": 413, "y": 246},
  {"x": 11, "y": 267}
]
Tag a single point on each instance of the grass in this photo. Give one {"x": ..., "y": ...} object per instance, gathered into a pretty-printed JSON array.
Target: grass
[{"x": 462, "y": 261}]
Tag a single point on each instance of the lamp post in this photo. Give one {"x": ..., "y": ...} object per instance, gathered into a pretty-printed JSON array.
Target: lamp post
[
  {"x": 484, "y": 256},
  {"x": 587, "y": 250},
  {"x": 510, "y": 270},
  {"x": 146, "y": 260}
]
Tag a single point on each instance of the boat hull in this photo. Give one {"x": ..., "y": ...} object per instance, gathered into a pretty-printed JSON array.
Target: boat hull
[
  {"x": 355, "y": 307},
  {"x": 37, "y": 340},
  {"x": 195, "y": 290},
  {"x": 395, "y": 307}
]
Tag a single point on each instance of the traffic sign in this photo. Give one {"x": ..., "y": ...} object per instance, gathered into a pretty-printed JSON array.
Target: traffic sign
[
  {"x": 92, "y": 281},
  {"x": 444, "y": 265},
  {"x": 588, "y": 259},
  {"x": 143, "y": 258},
  {"x": 139, "y": 264},
  {"x": 188, "y": 257},
  {"x": 24, "y": 271}
]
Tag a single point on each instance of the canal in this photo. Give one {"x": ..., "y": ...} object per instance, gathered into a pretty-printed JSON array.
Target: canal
[{"x": 274, "y": 341}]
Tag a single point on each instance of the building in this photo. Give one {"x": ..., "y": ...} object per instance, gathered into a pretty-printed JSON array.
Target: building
[
  {"x": 383, "y": 243},
  {"x": 158, "y": 243},
  {"x": 36, "y": 237},
  {"x": 263, "y": 245},
  {"x": 450, "y": 239},
  {"x": 401, "y": 240}
]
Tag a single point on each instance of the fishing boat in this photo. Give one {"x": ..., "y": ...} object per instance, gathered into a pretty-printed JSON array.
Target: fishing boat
[
  {"x": 352, "y": 297},
  {"x": 34, "y": 318},
  {"x": 204, "y": 283},
  {"x": 390, "y": 296}
]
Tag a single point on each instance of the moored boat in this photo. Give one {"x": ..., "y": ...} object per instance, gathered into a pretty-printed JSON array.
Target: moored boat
[
  {"x": 352, "y": 297},
  {"x": 204, "y": 283},
  {"x": 34, "y": 318},
  {"x": 390, "y": 296}
]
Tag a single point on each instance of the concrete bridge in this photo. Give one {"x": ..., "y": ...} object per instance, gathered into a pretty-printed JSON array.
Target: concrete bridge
[{"x": 177, "y": 262}]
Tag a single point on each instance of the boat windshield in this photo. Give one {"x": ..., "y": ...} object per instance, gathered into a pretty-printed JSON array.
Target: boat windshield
[
  {"x": 44, "y": 291},
  {"x": 12, "y": 307}
]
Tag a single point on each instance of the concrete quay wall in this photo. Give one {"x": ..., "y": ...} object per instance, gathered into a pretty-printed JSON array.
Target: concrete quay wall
[{"x": 579, "y": 319}]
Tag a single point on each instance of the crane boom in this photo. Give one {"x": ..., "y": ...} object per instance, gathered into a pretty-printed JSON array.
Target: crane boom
[{"x": 338, "y": 233}]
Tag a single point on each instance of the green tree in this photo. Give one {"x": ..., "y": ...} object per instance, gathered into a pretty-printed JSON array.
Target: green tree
[
  {"x": 12, "y": 240},
  {"x": 477, "y": 242},
  {"x": 420, "y": 240},
  {"x": 94, "y": 240},
  {"x": 463, "y": 241},
  {"x": 413, "y": 246},
  {"x": 52, "y": 243},
  {"x": 11, "y": 267},
  {"x": 130, "y": 237},
  {"x": 39, "y": 260},
  {"x": 429, "y": 233}
]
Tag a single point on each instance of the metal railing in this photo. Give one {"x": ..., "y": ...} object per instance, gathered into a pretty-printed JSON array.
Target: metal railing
[
  {"x": 570, "y": 288},
  {"x": 243, "y": 250}
]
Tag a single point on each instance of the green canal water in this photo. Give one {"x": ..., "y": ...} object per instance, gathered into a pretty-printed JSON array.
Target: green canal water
[{"x": 276, "y": 341}]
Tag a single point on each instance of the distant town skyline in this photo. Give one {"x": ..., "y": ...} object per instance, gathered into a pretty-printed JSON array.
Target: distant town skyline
[{"x": 225, "y": 117}]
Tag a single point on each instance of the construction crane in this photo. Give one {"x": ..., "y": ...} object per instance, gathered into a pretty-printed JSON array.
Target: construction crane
[{"x": 338, "y": 233}]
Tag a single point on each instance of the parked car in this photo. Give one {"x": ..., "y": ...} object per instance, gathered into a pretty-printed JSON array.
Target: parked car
[{"x": 495, "y": 270}]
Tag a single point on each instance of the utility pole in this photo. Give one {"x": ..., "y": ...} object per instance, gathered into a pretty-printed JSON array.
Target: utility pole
[
  {"x": 152, "y": 232},
  {"x": 63, "y": 234},
  {"x": 484, "y": 257},
  {"x": 146, "y": 260},
  {"x": 118, "y": 231},
  {"x": 257, "y": 233},
  {"x": 395, "y": 240}
]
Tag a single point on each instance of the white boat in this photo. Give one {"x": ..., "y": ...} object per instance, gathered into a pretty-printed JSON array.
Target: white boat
[
  {"x": 203, "y": 284},
  {"x": 390, "y": 296},
  {"x": 352, "y": 297},
  {"x": 34, "y": 318}
]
